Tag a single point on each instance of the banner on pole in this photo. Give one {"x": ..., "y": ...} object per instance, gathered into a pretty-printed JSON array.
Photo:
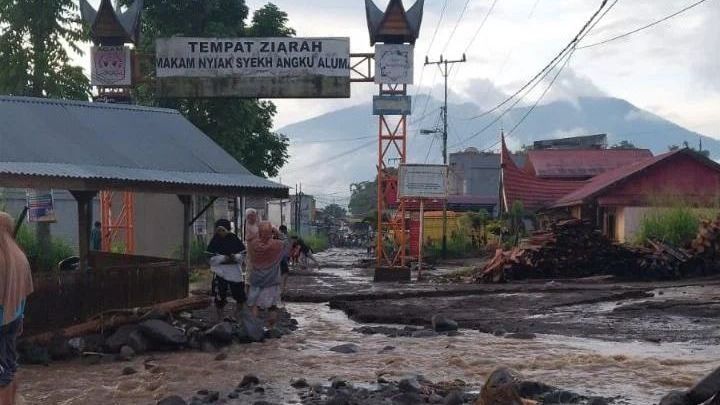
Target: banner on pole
[
  {"x": 422, "y": 181},
  {"x": 41, "y": 207},
  {"x": 392, "y": 105},
  {"x": 111, "y": 66},
  {"x": 253, "y": 67},
  {"x": 393, "y": 64}
]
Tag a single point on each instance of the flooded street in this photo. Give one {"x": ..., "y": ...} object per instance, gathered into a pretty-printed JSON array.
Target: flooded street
[{"x": 640, "y": 372}]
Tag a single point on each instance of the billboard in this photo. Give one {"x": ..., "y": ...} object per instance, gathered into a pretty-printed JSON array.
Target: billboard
[
  {"x": 393, "y": 64},
  {"x": 41, "y": 207},
  {"x": 111, "y": 66},
  {"x": 392, "y": 105},
  {"x": 253, "y": 67},
  {"x": 422, "y": 181}
]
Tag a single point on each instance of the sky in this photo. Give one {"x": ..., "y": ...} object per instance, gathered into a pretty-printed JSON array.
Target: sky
[{"x": 672, "y": 70}]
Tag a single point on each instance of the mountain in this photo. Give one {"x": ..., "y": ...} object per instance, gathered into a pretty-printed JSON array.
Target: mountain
[{"x": 340, "y": 147}]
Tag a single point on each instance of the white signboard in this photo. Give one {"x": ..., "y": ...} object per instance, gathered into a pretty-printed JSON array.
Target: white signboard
[
  {"x": 393, "y": 64},
  {"x": 422, "y": 181},
  {"x": 253, "y": 67},
  {"x": 111, "y": 66}
]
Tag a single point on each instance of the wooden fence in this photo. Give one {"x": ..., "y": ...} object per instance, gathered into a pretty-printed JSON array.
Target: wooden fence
[{"x": 66, "y": 298}]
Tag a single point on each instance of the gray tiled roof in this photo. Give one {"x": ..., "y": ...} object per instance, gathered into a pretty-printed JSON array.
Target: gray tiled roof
[{"x": 43, "y": 137}]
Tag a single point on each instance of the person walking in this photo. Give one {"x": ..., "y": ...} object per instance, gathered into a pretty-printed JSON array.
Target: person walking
[
  {"x": 250, "y": 234},
  {"x": 96, "y": 237},
  {"x": 285, "y": 263},
  {"x": 15, "y": 286},
  {"x": 265, "y": 279},
  {"x": 227, "y": 252},
  {"x": 305, "y": 253}
]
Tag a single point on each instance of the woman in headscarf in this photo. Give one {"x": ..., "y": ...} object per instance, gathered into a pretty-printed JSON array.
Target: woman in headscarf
[
  {"x": 251, "y": 233},
  {"x": 265, "y": 279},
  {"x": 226, "y": 250},
  {"x": 15, "y": 285}
]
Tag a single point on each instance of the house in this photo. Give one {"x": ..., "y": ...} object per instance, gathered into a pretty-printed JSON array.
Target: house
[
  {"x": 576, "y": 142},
  {"x": 296, "y": 212},
  {"x": 617, "y": 200},
  {"x": 580, "y": 164}
]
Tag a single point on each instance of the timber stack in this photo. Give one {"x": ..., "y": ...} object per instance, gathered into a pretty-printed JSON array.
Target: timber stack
[{"x": 575, "y": 249}]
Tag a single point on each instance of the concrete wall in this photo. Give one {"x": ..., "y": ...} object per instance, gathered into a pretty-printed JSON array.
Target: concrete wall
[
  {"x": 628, "y": 222},
  {"x": 158, "y": 224}
]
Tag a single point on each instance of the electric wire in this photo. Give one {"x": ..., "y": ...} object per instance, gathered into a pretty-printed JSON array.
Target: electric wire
[{"x": 627, "y": 34}]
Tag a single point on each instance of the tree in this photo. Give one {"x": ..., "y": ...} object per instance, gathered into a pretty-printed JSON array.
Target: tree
[
  {"x": 363, "y": 200},
  {"x": 335, "y": 211},
  {"x": 624, "y": 144},
  {"x": 243, "y": 127},
  {"x": 34, "y": 35}
]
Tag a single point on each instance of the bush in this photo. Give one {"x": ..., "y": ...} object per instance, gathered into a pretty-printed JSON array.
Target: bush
[
  {"x": 676, "y": 226},
  {"x": 459, "y": 246},
  {"x": 198, "y": 257},
  {"x": 39, "y": 259},
  {"x": 317, "y": 243}
]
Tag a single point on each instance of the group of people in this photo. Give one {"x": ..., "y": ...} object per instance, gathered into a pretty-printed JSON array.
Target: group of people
[{"x": 254, "y": 272}]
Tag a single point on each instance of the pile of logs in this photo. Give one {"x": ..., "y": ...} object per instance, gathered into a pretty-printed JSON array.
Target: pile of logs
[{"x": 575, "y": 249}]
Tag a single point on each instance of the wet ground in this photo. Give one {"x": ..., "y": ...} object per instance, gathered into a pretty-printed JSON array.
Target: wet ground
[{"x": 630, "y": 340}]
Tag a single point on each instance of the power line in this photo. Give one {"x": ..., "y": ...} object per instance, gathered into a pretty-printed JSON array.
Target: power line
[
  {"x": 627, "y": 34},
  {"x": 457, "y": 24},
  {"x": 432, "y": 41},
  {"x": 480, "y": 27},
  {"x": 331, "y": 140},
  {"x": 534, "y": 82},
  {"x": 338, "y": 156},
  {"x": 547, "y": 67}
]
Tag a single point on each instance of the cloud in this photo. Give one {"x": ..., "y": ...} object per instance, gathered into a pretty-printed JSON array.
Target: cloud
[{"x": 707, "y": 62}]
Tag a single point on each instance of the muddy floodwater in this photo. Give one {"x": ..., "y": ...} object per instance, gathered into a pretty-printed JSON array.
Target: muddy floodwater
[{"x": 638, "y": 371}]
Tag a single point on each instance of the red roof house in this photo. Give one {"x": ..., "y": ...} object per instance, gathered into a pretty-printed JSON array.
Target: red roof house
[{"x": 582, "y": 164}]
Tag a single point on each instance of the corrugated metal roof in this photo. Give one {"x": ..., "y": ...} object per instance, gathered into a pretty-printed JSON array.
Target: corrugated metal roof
[
  {"x": 43, "y": 137},
  {"x": 581, "y": 163}
]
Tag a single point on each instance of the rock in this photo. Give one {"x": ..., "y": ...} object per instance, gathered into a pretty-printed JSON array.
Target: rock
[
  {"x": 138, "y": 342},
  {"x": 120, "y": 338},
  {"x": 407, "y": 398},
  {"x": 259, "y": 390},
  {"x": 561, "y": 397},
  {"x": 162, "y": 333},
  {"x": 441, "y": 323},
  {"x": 221, "y": 333},
  {"x": 92, "y": 359},
  {"x": 233, "y": 395},
  {"x": 387, "y": 349},
  {"x": 348, "y": 348},
  {"x": 500, "y": 389},
  {"x": 248, "y": 381},
  {"x": 129, "y": 371},
  {"x": 60, "y": 349},
  {"x": 676, "y": 398},
  {"x": 126, "y": 353},
  {"x": 382, "y": 380},
  {"x": 173, "y": 400},
  {"x": 213, "y": 396},
  {"x": 221, "y": 357},
  {"x": 424, "y": 333},
  {"x": 455, "y": 398},
  {"x": 340, "y": 398},
  {"x": 532, "y": 389},
  {"x": 598, "y": 401},
  {"x": 338, "y": 383},
  {"x": 208, "y": 347},
  {"x": 300, "y": 383},
  {"x": 453, "y": 333},
  {"x": 409, "y": 384},
  {"x": 499, "y": 332},
  {"x": 93, "y": 343},
  {"x": 435, "y": 399},
  {"x": 521, "y": 336},
  {"x": 706, "y": 388}
]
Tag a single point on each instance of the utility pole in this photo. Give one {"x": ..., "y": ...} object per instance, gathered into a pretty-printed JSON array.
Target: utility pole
[{"x": 444, "y": 65}]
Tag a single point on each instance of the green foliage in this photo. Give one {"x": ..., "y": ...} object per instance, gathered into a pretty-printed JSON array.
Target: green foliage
[
  {"x": 243, "y": 127},
  {"x": 317, "y": 243},
  {"x": 459, "y": 246},
  {"x": 335, "y": 211},
  {"x": 198, "y": 258},
  {"x": 363, "y": 199},
  {"x": 34, "y": 35},
  {"x": 676, "y": 226},
  {"x": 624, "y": 144},
  {"x": 474, "y": 224},
  {"x": 42, "y": 260}
]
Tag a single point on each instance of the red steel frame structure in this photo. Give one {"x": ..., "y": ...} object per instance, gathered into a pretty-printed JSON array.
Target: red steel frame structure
[
  {"x": 392, "y": 146},
  {"x": 118, "y": 226}
]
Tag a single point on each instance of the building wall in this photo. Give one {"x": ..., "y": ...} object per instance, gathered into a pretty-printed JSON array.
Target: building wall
[
  {"x": 628, "y": 222},
  {"x": 158, "y": 224}
]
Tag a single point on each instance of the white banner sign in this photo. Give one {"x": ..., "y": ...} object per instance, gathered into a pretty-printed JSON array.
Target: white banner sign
[
  {"x": 422, "y": 181},
  {"x": 111, "y": 66},
  {"x": 393, "y": 64},
  {"x": 252, "y": 57}
]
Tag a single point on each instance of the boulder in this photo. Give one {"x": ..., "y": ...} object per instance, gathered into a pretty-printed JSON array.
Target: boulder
[
  {"x": 441, "y": 323},
  {"x": 455, "y": 398},
  {"x": 129, "y": 371},
  {"x": 249, "y": 381},
  {"x": 138, "y": 342},
  {"x": 676, "y": 398},
  {"x": 499, "y": 389},
  {"x": 120, "y": 338},
  {"x": 126, "y": 353},
  {"x": 60, "y": 348},
  {"x": 162, "y": 333},
  {"x": 300, "y": 383},
  {"x": 347, "y": 348},
  {"x": 173, "y": 400},
  {"x": 705, "y": 389},
  {"x": 221, "y": 333},
  {"x": 409, "y": 384}
]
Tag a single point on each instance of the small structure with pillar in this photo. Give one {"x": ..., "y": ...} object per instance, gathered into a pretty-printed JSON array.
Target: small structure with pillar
[
  {"x": 88, "y": 147},
  {"x": 393, "y": 33}
]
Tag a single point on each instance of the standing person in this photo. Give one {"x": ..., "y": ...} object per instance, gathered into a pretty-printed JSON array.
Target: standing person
[
  {"x": 15, "y": 286},
  {"x": 96, "y": 237},
  {"x": 265, "y": 279},
  {"x": 285, "y": 263},
  {"x": 226, "y": 250},
  {"x": 250, "y": 234},
  {"x": 306, "y": 253}
]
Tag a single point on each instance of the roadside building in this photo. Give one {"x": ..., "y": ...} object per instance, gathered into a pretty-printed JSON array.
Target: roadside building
[{"x": 298, "y": 213}]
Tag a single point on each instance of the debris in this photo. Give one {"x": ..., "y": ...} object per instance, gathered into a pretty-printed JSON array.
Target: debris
[
  {"x": 348, "y": 348},
  {"x": 441, "y": 323},
  {"x": 129, "y": 371},
  {"x": 162, "y": 333}
]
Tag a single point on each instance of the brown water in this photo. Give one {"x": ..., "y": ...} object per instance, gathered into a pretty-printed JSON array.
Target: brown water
[{"x": 640, "y": 372}]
